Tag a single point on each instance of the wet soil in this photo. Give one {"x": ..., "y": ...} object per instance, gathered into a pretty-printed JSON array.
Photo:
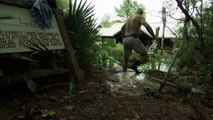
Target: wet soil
[{"x": 102, "y": 95}]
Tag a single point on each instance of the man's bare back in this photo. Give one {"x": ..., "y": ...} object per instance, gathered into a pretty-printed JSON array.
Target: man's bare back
[{"x": 133, "y": 25}]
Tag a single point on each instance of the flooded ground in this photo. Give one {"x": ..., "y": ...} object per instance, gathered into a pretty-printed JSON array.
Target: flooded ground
[
  {"x": 132, "y": 84},
  {"x": 108, "y": 95},
  {"x": 102, "y": 95}
]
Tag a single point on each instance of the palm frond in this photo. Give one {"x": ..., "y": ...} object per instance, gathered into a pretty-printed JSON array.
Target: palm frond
[{"x": 81, "y": 26}]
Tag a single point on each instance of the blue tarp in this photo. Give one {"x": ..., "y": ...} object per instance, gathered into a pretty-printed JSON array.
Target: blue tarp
[{"x": 41, "y": 12}]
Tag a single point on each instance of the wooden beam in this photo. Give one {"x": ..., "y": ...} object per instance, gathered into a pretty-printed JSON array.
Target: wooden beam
[
  {"x": 72, "y": 59},
  {"x": 173, "y": 85}
]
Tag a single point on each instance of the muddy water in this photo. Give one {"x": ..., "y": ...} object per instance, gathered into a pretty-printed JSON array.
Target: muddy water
[{"x": 132, "y": 84}]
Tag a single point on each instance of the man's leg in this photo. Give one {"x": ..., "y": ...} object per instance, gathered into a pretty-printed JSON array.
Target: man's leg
[
  {"x": 135, "y": 65},
  {"x": 126, "y": 60},
  {"x": 143, "y": 59},
  {"x": 127, "y": 53},
  {"x": 125, "y": 65},
  {"x": 140, "y": 49}
]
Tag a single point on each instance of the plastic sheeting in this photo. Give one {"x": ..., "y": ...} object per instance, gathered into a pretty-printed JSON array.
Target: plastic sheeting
[{"x": 41, "y": 12}]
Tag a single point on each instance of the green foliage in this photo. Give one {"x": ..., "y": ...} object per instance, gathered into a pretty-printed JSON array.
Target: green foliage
[
  {"x": 208, "y": 23},
  {"x": 47, "y": 113},
  {"x": 71, "y": 86},
  {"x": 155, "y": 61},
  {"x": 63, "y": 5},
  {"x": 107, "y": 54},
  {"x": 208, "y": 36},
  {"x": 127, "y": 8},
  {"x": 82, "y": 29},
  {"x": 106, "y": 21},
  {"x": 31, "y": 85},
  {"x": 190, "y": 57},
  {"x": 46, "y": 58},
  {"x": 185, "y": 56}
]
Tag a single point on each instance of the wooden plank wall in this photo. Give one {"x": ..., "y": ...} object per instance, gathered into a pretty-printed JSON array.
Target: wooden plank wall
[{"x": 20, "y": 3}]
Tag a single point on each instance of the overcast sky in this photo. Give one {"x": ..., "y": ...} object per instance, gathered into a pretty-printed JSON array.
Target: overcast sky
[
  {"x": 102, "y": 7},
  {"x": 153, "y": 8}
]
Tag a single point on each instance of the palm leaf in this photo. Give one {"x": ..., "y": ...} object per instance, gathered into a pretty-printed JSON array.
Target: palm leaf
[{"x": 81, "y": 26}]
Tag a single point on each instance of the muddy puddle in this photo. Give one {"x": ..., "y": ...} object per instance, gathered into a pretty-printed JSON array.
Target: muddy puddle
[{"x": 131, "y": 83}]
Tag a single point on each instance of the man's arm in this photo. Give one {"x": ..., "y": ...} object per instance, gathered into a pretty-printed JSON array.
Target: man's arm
[{"x": 148, "y": 28}]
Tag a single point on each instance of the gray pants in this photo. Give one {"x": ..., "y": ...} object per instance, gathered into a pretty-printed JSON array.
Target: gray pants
[{"x": 134, "y": 43}]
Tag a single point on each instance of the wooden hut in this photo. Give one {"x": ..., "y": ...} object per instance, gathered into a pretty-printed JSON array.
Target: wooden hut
[{"x": 114, "y": 32}]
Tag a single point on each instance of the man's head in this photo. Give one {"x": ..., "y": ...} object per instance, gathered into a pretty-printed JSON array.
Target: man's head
[{"x": 139, "y": 11}]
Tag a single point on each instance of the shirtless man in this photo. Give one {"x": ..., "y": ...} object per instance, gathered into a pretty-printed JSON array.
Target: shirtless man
[{"x": 131, "y": 31}]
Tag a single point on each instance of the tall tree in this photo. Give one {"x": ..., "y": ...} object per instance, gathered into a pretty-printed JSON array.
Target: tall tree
[
  {"x": 105, "y": 22},
  {"x": 182, "y": 4},
  {"x": 197, "y": 24},
  {"x": 127, "y": 8},
  {"x": 208, "y": 36}
]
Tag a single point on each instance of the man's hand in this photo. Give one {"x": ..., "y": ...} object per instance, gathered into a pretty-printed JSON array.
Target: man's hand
[
  {"x": 156, "y": 40},
  {"x": 154, "y": 45}
]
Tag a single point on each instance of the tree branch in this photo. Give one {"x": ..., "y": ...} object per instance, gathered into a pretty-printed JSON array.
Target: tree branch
[
  {"x": 131, "y": 4},
  {"x": 196, "y": 25}
]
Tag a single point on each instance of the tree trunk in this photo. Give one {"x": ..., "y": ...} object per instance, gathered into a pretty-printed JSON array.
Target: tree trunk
[{"x": 195, "y": 23}]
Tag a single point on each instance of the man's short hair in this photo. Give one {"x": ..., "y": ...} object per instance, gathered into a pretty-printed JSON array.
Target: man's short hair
[{"x": 139, "y": 11}]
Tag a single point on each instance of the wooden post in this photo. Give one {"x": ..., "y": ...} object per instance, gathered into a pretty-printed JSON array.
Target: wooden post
[
  {"x": 164, "y": 25},
  {"x": 157, "y": 35},
  {"x": 71, "y": 55}
]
